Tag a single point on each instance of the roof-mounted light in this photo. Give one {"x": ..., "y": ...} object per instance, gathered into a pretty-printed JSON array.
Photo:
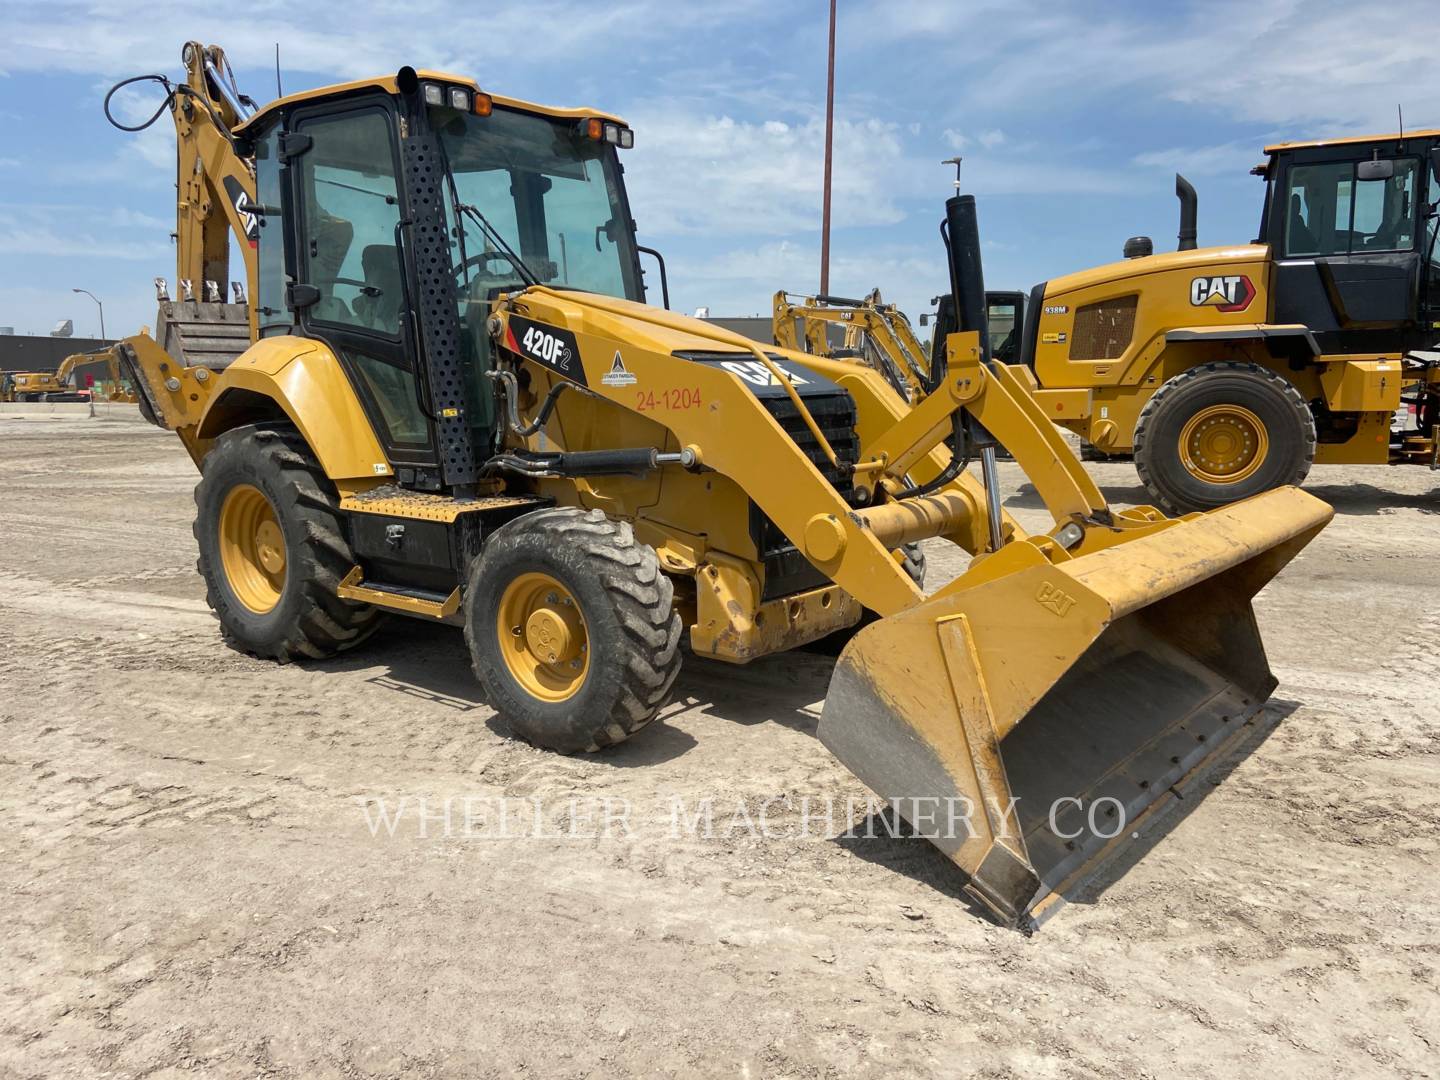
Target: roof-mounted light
[
  {"x": 609, "y": 131},
  {"x": 433, "y": 93}
]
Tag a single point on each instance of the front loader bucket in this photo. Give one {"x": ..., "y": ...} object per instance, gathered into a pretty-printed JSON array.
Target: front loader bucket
[{"x": 1025, "y": 723}]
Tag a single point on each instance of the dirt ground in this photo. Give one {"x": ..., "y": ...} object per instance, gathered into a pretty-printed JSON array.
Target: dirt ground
[{"x": 196, "y": 881}]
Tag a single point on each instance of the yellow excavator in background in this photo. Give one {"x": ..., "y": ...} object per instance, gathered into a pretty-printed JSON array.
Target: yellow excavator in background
[
  {"x": 458, "y": 407},
  {"x": 59, "y": 385}
]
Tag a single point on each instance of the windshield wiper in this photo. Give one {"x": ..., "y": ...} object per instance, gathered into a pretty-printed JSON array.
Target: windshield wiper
[
  {"x": 486, "y": 229},
  {"x": 493, "y": 235}
]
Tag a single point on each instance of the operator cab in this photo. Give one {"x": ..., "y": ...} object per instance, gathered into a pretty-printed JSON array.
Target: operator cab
[
  {"x": 393, "y": 212},
  {"x": 1351, "y": 225}
]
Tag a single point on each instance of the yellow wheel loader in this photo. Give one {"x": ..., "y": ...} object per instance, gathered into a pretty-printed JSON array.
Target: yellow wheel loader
[
  {"x": 1227, "y": 371},
  {"x": 458, "y": 407}
]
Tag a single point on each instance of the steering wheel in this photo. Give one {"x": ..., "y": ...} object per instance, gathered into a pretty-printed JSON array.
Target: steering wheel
[{"x": 480, "y": 259}]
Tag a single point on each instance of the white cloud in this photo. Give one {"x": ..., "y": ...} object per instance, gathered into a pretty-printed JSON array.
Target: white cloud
[
  {"x": 697, "y": 174},
  {"x": 62, "y": 231},
  {"x": 1306, "y": 64},
  {"x": 742, "y": 280},
  {"x": 1224, "y": 159}
]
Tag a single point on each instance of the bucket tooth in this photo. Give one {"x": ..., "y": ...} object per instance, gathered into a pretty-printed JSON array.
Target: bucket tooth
[{"x": 1025, "y": 724}]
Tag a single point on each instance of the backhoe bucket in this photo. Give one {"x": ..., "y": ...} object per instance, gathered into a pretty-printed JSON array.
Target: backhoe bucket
[{"x": 1028, "y": 715}]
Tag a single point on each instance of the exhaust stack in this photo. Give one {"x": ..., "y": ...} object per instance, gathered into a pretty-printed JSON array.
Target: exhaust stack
[{"x": 1185, "y": 191}]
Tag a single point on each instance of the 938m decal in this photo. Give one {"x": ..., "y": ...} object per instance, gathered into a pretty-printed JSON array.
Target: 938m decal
[{"x": 553, "y": 346}]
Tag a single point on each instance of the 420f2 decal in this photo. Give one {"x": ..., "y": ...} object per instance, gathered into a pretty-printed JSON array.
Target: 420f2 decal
[{"x": 552, "y": 346}]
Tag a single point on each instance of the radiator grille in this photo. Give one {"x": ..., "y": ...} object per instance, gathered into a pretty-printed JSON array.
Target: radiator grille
[{"x": 1103, "y": 331}]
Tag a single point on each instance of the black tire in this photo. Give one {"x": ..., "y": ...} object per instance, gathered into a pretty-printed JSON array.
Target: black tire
[
  {"x": 631, "y": 627},
  {"x": 309, "y": 620},
  {"x": 1288, "y": 424},
  {"x": 913, "y": 560}
]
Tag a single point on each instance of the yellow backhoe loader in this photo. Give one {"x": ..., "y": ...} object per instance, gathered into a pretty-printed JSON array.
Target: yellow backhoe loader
[
  {"x": 872, "y": 332},
  {"x": 458, "y": 407},
  {"x": 878, "y": 334},
  {"x": 1227, "y": 371}
]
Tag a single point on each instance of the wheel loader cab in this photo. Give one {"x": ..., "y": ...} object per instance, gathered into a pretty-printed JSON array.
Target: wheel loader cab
[
  {"x": 1351, "y": 227},
  {"x": 391, "y": 218}
]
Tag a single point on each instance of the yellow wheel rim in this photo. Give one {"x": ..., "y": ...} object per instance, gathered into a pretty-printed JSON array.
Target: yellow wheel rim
[
  {"x": 1224, "y": 444},
  {"x": 543, "y": 637},
  {"x": 252, "y": 548}
]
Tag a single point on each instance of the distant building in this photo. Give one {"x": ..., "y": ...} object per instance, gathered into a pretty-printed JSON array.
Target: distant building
[
  {"x": 754, "y": 327},
  {"x": 760, "y": 328},
  {"x": 31, "y": 352}
]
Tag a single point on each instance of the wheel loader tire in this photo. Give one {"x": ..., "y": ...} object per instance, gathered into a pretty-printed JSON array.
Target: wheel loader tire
[
  {"x": 1222, "y": 432},
  {"x": 572, "y": 629},
  {"x": 273, "y": 548}
]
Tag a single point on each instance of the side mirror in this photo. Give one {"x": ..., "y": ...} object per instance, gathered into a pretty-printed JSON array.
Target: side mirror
[
  {"x": 924, "y": 318},
  {"x": 1375, "y": 170}
]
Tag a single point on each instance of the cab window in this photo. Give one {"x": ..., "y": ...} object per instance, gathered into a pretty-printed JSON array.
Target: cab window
[
  {"x": 273, "y": 316},
  {"x": 350, "y": 209},
  {"x": 1331, "y": 211}
]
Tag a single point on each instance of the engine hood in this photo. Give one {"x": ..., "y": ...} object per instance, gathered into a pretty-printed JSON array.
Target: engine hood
[{"x": 1198, "y": 261}]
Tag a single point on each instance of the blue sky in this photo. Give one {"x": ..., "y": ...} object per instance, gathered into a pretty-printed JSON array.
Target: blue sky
[{"x": 1072, "y": 119}]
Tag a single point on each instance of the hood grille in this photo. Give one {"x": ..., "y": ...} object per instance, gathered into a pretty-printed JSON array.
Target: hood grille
[{"x": 1103, "y": 331}]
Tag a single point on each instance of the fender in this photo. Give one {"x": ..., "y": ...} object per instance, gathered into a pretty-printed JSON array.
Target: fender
[
  {"x": 1280, "y": 338},
  {"x": 304, "y": 379}
]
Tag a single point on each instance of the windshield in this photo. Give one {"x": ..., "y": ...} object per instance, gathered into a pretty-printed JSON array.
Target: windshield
[{"x": 552, "y": 195}]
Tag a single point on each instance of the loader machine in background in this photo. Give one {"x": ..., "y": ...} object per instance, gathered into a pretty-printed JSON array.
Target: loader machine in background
[
  {"x": 878, "y": 334},
  {"x": 1227, "y": 371},
  {"x": 459, "y": 408}
]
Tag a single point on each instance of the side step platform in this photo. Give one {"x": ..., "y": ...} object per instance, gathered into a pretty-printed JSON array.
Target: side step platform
[
  {"x": 416, "y": 547},
  {"x": 408, "y": 601}
]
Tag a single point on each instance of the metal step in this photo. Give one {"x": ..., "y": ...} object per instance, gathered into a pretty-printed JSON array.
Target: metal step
[{"x": 409, "y": 601}]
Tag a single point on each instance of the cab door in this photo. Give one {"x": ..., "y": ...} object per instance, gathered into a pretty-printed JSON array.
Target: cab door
[
  {"x": 1346, "y": 232},
  {"x": 349, "y": 287}
]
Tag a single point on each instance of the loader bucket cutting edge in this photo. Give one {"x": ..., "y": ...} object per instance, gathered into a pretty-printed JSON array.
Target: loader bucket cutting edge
[{"x": 1026, "y": 724}]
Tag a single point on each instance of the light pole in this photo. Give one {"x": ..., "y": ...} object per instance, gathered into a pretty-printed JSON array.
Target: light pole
[
  {"x": 101, "y": 306},
  {"x": 829, "y": 139}
]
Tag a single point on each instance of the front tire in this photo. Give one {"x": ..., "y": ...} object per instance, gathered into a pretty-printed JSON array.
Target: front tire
[
  {"x": 572, "y": 629},
  {"x": 1221, "y": 432},
  {"x": 273, "y": 548}
]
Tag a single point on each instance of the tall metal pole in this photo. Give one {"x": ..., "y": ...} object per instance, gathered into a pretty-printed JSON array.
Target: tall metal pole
[
  {"x": 101, "y": 306},
  {"x": 829, "y": 143}
]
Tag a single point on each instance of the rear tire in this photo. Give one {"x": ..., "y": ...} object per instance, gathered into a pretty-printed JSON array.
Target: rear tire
[
  {"x": 1222, "y": 432},
  {"x": 273, "y": 548},
  {"x": 572, "y": 629}
]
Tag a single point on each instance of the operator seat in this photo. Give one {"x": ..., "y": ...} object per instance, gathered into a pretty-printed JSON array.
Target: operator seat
[
  {"x": 1299, "y": 239},
  {"x": 380, "y": 266},
  {"x": 329, "y": 246}
]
